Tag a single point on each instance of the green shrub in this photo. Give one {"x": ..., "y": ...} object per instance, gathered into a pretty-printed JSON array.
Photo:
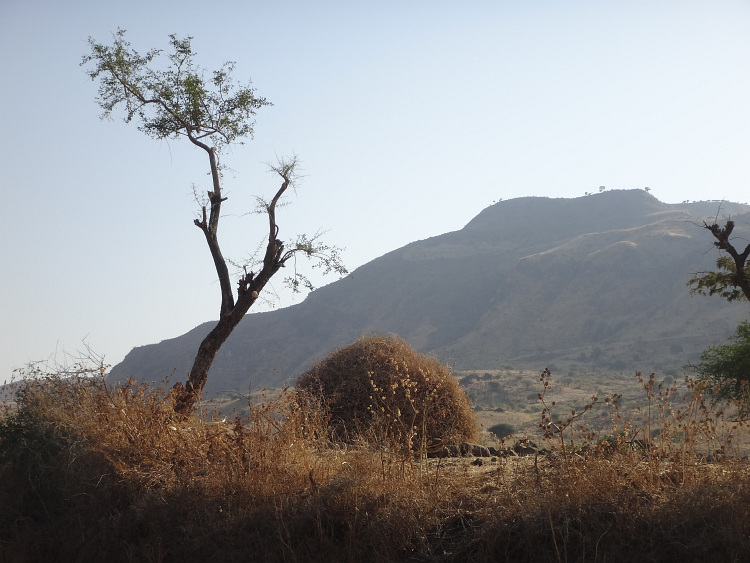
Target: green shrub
[{"x": 723, "y": 370}]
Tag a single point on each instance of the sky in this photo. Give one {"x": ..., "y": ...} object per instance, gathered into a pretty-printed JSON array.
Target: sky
[{"x": 409, "y": 118}]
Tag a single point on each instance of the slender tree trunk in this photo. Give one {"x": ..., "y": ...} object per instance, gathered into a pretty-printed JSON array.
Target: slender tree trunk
[
  {"x": 187, "y": 395},
  {"x": 249, "y": 286}
]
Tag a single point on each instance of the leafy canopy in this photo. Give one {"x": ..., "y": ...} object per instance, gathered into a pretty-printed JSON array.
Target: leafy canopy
[
  {"x": 180, "y": 100},
  {"x": 726, "y": 369},
  {"x": 722, "y": 282},
  {"x": 212, "y": 112},
  {"x": 732, "y": 278}
]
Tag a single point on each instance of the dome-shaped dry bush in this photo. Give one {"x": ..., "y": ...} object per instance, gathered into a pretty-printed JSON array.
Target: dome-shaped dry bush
[{"x": 379, "y": 388}]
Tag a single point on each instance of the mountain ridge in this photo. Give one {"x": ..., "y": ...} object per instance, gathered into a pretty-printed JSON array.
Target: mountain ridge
[{"x": 528, "y": 280}]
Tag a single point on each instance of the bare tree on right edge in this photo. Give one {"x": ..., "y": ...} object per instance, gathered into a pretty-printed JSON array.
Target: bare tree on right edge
[{"x": 731, "y": 279}]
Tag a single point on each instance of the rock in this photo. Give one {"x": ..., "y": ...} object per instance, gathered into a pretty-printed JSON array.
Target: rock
[
  {"x": 448, "y": 450},
  {"x": 476, "y": 450},
  {"x": 525, "y": 447}
]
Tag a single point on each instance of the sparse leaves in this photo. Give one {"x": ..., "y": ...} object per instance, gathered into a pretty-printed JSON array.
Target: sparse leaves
[
  {"x": 721, "y": 282},
  {"x": 212, "y": 111},
  {"x": 176, "y": 101},
  {"x": 288, "y": 168},
  {"x": 725, "y": 370},
  {"x": 731, "y": 280},
  {"x": 327, "y": 258}
]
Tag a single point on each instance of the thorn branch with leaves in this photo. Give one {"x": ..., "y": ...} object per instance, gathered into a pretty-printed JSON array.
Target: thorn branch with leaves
[{"x": 212, "y": 111}]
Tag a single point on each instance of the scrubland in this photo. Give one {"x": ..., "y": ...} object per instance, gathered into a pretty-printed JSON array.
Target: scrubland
[{"x": 94, "y": 473}]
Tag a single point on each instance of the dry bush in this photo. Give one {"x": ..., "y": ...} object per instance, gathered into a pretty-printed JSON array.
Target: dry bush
[
  {"x": 91, "y": 473},
  {"x": 380, "y": 389},
  {"x": 80, "y": 461}
]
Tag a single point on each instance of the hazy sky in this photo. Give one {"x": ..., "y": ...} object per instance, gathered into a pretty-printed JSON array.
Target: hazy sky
[{"x": 410, "y": 117}]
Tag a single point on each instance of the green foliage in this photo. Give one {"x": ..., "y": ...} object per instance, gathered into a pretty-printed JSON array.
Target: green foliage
[
  {"x": 180, "y": 100},
  {"x": 726, "y": 369},
  {"x": 28, "y": 436},
  {"x": 49, "y": 458},
  {"x": 212, "y": 112},
  {"x": 722, "y": 282},
  {"x": 29, "y": 442},
  {"x": 327, "y": 258}
]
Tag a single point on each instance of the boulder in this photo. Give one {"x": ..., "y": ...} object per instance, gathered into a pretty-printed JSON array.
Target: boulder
[
  {"x": 525, "y": 447},
  {"x": 475, "y": 450}
]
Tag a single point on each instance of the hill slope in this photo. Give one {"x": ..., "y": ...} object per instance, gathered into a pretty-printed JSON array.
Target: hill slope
[{"x": 529, "y": 281}]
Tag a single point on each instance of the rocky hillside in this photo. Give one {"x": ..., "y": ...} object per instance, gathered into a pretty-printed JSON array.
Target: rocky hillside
[{"x": 529, "y": 282}]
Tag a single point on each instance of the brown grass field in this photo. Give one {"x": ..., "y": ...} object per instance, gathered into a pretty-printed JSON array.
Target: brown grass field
[{"x": 93, "y": 473}]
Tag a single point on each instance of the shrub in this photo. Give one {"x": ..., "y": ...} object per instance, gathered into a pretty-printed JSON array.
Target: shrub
[
  {"x": 94, "y": 473},
  {"x": 380, "y": 389},
  {"x": 468, "y": 380},
  {"x": 724, "y": 369},
  {"x": 502, "y": 430},
  {"x": 82, "y": 463}
]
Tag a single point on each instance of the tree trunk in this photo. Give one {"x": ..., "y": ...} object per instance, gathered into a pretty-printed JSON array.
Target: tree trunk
[
  {"x": 249, "y": 286},
  {"x": 187, "y": 395}
]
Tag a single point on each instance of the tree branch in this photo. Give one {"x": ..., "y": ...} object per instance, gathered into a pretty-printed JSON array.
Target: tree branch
[
  {"x": 179, "y": 101},
  {"x": 737, "y": 275}
]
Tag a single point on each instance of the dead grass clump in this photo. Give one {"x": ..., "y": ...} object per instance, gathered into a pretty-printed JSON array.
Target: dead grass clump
[{"x": 380, "y": 389}]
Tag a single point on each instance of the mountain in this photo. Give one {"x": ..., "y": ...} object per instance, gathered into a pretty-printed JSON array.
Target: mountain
[{"x": 529, "y": 282}]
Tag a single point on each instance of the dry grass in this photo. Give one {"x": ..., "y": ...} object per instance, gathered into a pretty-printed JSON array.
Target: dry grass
[
  {"x": 90, "y": 473},
  {"x": 380, "y": 390}
]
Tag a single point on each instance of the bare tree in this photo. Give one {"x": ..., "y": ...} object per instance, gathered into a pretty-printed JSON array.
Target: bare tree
[
  {"x": 731, "y": 279},
  {"x": 212, "y": 113}
]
